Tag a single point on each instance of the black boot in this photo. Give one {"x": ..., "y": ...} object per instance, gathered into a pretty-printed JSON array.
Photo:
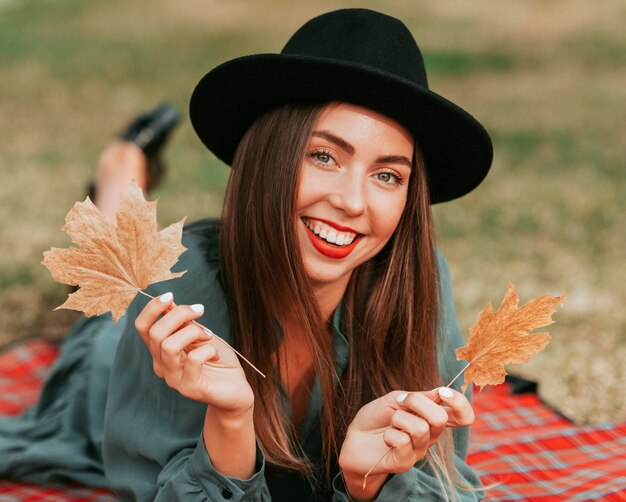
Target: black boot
[{"x": 149, "y": 131}]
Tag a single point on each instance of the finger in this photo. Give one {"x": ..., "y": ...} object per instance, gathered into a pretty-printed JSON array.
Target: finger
[
  {"x": 459, "y": 410},
  {"x": 417, "y": 428},
  {"x": 172, "y": 321},
  {"x": 395, "y": 438},
  {"x": 396, "y": 397},
  {"x": 154, "y": 309},
  {"x": 174, "y": 350},
  {"x": 403, "y": 454},
  {"x": 421, "y": 404},
  {"x": 196, "y": 359}
]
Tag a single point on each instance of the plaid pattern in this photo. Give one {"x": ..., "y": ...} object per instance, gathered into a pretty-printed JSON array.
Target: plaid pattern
[
  {"x": 13, "y": 492},
  {"x": 22, "y": 371},
  {"x": 525, "y": 449},
  {"x": 529, "y": 452}
]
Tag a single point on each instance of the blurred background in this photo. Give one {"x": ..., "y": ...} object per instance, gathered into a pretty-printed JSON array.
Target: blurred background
[{"x": 545, "y": 77}]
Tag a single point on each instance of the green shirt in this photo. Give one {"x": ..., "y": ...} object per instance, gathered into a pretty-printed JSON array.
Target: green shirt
[{"x": 153, "y": 447}]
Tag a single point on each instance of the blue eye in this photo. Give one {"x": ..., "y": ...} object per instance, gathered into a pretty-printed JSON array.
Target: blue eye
[
  {"x": 389, "y": 178},
  {"x": 322, "y": 157}
]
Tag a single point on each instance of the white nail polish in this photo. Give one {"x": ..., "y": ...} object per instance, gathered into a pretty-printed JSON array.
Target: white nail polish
[
  {"x": 197, "y": 307},
  {"x": 445, "y": 392},
  {"x": 208, "y": 332},
  {"x": 401, "y": 397},
  {"x": 166, "y": 297}
]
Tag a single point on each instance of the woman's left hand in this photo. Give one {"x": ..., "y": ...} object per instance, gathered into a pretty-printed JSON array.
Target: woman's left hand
[{"x": 407, "y": 422}]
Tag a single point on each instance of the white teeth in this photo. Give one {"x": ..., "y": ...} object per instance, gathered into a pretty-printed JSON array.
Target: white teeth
[{"x": 330, "y": 235}]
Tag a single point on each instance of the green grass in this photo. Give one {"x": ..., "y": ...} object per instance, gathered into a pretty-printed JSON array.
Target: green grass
[
  {"x": 545, "y": 78},
  {"x": 459, "y": 63},
  {"x": 596, "y": 49}
]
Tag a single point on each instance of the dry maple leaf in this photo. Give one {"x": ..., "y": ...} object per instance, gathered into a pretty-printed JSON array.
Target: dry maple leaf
[
  {"x": 115, "y": 260},
  {"x": 503, "y": 336}
]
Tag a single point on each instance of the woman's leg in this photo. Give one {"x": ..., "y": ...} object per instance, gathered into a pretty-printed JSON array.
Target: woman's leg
[
  {"x": 121, "y": 163},
  {"x": 59, "y": 439},
  {"x": 134, "y": 156}
]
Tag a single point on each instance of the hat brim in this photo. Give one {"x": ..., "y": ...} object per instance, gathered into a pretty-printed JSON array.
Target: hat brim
[{"x": 457, "y": 149}]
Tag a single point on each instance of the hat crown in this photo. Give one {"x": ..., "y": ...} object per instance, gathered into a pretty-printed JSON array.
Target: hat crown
[{"x": 362, "y": 37}]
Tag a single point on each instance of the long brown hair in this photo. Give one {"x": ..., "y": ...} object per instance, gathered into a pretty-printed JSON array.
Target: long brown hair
[{"x": 390, "y": 307}]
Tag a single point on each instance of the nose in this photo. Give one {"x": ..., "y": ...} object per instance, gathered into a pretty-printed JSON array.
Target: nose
[{"x": 349, "y": 195}]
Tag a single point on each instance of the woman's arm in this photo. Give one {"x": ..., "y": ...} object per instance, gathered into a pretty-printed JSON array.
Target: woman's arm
[
  {"x": 188, "y": 359},
  {"x": 155, "y": 447},
  {"x": 154, "y": 444},
  {"x": 230, "y": 442}
]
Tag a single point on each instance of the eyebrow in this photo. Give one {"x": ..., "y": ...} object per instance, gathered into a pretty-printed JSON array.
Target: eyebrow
[{"x": 344, "y": 145}]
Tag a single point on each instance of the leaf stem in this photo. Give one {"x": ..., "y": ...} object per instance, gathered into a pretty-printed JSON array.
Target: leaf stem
[
  {"x": 459, "y": 374},
  {"x": 218, "y": 337},
  {"x": 372, "y": 468}
]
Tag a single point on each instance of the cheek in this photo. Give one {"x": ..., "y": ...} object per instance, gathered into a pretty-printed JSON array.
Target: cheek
[
  {"x": 388, "y": 214},
  {"x": 311, "y": 188},
  {"x": 385, "y": 227}
]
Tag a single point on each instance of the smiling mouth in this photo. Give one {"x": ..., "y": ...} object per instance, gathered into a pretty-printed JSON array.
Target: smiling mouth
[
  {"x": 330, "y": 241},
  {"x": 329, "y": 233}
]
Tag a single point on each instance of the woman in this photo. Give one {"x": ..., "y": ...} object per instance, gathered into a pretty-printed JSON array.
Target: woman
[
  {"x": 323, "y": 272},
  {"x": 326, "y": 277}
]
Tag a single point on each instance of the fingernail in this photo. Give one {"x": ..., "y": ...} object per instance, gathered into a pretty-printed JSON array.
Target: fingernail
[
  {"x": 197, "y": 307},
  {"x": 445, "y": 392},
  {"x": 401, "y": 397},
  {"x": 166, "y": 297},
  {"x": 208, "y": 332}
]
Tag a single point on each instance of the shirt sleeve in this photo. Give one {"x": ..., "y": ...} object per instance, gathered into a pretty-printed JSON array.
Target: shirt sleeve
[
  {"x": 153, "y": 447},
  {"x": 419, "y": 483},
  {"x": 153, "y": 450},
  {"x": 190, "y": 476}
]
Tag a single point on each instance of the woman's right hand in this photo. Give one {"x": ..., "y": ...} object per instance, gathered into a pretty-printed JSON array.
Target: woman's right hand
[{"x": 192, "y": 361}]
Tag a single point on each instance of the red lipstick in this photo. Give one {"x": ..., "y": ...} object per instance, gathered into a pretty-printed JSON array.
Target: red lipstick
[{"x": 328, "y": 249}]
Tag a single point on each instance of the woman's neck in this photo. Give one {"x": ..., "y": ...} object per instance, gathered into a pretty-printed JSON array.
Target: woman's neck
[{"x": 329, "y": 295}]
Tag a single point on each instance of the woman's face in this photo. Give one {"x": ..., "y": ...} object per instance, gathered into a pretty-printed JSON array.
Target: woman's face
[{"x": 353, "y": 189}]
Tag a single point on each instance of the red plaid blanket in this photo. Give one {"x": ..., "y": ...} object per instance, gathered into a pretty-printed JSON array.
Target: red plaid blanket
[
  {"x": 22, "y": 371},
  {"x": 531, "y": 453},
  {"x": 518, "y": 444}
]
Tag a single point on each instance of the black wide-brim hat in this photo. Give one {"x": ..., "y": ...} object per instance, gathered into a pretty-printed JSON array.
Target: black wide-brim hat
[{"x": 358, "y": 56}]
